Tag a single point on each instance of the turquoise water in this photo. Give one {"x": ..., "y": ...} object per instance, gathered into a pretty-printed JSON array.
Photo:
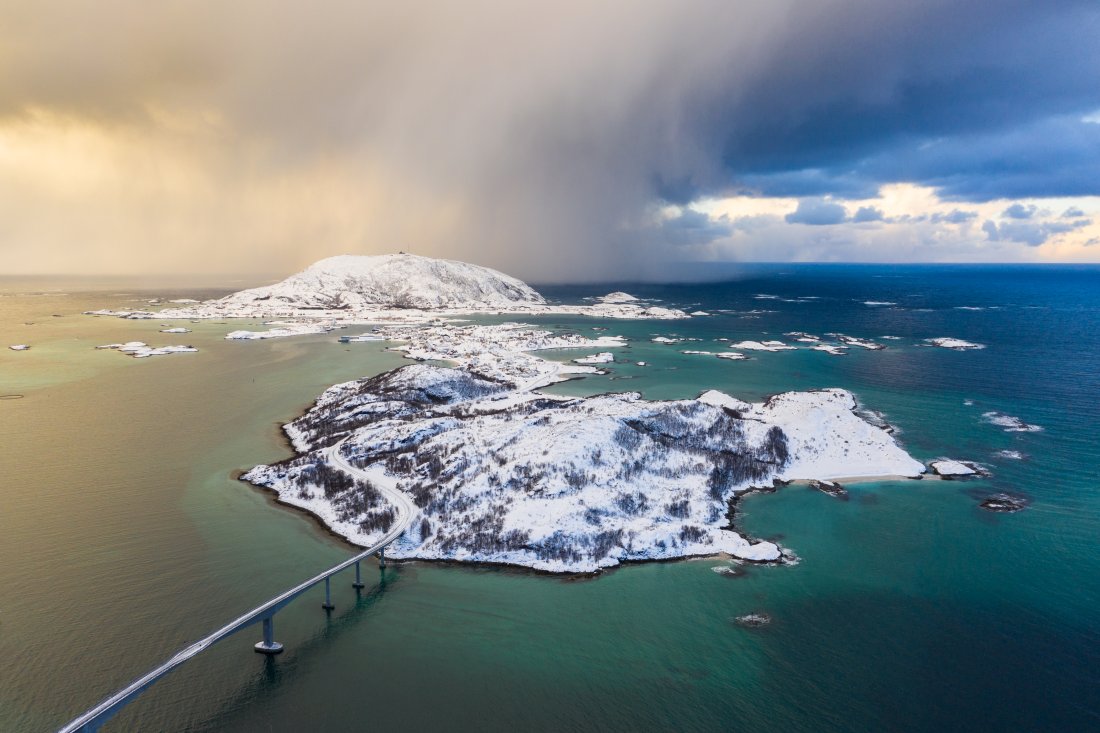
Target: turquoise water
[{"x": 124, "y": 535}]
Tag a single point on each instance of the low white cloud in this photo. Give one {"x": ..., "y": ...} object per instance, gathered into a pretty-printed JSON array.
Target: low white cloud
[{"x": 905, "y": 223}]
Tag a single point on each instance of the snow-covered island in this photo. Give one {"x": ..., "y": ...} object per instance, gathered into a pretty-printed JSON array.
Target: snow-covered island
[
  {"x": 501, "y": 472},
  {"x": 948, "y": 342},
  {"x": 853, "y": 341},
  {"x": 1009, "y": 423},
  {"x": 564, "y": 484},
  {"x": 763, "y": 346},
  {"x": 283, "y": 329},
  {"x": 950, "y": 468},
  {"x": 618, "y": 297}
]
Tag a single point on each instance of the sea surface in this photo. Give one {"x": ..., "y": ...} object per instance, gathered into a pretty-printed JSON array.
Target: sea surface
[{"x": 124, "y": 534}]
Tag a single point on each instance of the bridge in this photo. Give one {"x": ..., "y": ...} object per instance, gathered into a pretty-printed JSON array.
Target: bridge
[{"x": 95, "y": 717}]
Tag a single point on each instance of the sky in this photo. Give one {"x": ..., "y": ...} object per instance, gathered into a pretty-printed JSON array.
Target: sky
[{"x": 565, "y": 141}]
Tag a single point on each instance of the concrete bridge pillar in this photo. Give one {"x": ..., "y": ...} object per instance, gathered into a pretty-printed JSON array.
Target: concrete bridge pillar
[
  {"x": 269, "y": 645},
  {"x": 327, "y": 605},
  {"x": 358, "y": 584}
]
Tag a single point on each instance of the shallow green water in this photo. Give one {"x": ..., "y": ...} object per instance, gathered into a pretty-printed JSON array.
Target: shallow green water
[{"x": 124, "y": 536}]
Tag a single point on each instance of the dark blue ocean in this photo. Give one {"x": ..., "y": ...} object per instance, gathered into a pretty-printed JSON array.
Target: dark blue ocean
[{"x": 124, "y": 534}]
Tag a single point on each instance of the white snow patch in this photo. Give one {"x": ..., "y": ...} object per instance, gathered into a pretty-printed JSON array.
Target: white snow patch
[
  {"x": 947, "y": 342},
  {"x": 721, "y": 399},
  {"x": 947, "y": 467},
  {"x": 862, "y": 343},
  {"x": 361, "y": 338},
  {"x": 828, "y": 440},
  {"x": 142, "y": 350},
  {"x": 806, "y": 338},
  {"x": 291, "y": 329},
  {"x": 130, "y": 315},
  {"x": 760, "y": 552},
  {"x": 604, "y": 357},
  {"x": 1009, "y": 423},
  {"x": 618, "y": 297},
  {"x": 499, "y": 352},
  {"x": 763, "y": 346}
]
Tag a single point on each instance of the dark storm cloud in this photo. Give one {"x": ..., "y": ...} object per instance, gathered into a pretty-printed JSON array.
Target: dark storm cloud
[
  {"x": 695, "y": 227},
  {"x": 1057, "y": 156},
  {"x": 537, "y": 137},
  {"x": 987, "y": 103},
  {"x": 810, "y": 182}
]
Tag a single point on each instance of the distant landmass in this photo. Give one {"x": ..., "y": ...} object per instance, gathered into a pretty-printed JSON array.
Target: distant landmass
[
  {"x": 392, "y": 281},
  {"x": 349, "y": 289}
]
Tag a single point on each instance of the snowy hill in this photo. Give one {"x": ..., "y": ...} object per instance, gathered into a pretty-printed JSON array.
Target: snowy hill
[
  {"x": 399, "y": 288},
  {"x": 354, "y": 282}
]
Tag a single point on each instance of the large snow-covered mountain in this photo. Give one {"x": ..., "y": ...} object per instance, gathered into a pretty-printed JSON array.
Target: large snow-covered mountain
[{"x": 390, "y": 281}]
